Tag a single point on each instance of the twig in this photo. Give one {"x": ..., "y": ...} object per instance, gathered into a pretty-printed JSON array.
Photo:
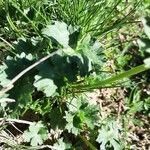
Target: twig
[
  {"x": 16, "y": 120},
  {"x": 7, "y": 43},
  {"x": 9, "y": 133},
  {"x": 10, "y": 85},
  {"x": 43, "y": 147},
  {"x": 15, "y": 127}
]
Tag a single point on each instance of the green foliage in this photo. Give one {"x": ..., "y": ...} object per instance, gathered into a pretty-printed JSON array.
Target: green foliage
[
  {"x": 69, "y": 126},
  {"x": 92, "y": 49},
  {"x": 24, "y": 86},
  {"x": 59, "y": 32},
  {"x": 146, "y": 23},
  {"x": 109, "y": 136},
  {"x": 57, "y": 120},
  {"x": 123, "y": 60},
  {"x": 134, "y": 102},
  {"x": 144, "y": 43},
  {"x": 81, "y": 115},
  {"x": 42, "y": 106},
  {"x": 45, "y": 85},
  {"x": 36, "y": 134},
  {"x": 94, "y": 17},
  {"x": 50, "y": 97},
  {"x": 147, "y": 104},
  {"x": 60, "y": 145}
]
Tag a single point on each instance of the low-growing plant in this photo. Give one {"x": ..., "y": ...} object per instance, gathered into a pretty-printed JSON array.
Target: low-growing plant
[{"x": 48, "y": 72}]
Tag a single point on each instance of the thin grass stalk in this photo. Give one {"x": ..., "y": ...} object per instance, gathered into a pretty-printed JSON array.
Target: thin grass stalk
[
  {"x": 113, "y": 79},
  {"x": 31, "y": 22}
]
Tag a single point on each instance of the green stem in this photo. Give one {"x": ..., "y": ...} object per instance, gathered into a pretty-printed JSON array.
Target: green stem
[
  {"x": 10, "y": 45},
  {"x": 30, "y": 21},
  {"x": 9, "y": 20},
  {"x": 90, "y": 145},
  {"x": 115, "y": 78}
]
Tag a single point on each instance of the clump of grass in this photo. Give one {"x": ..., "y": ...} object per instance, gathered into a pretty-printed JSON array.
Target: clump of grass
[{"x": 95, "y": 17}]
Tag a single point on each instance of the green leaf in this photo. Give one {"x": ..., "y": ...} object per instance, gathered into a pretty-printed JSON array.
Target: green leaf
[
  {"x": 14, "y": 65},
  {"x": 3, "y": 103},
  {"x": 42, "y": 106},
  {"x": 3, "y": 75},
  {"x": 78, "y": 120},
  {"x": 109, "y": 133},
  {"x": 147, "y": 62},
  {"x": 80, "y": 115},
  {"x": 46, "y": 85},
  {"x": 27, "y": 136},
  {"x": 56, "y": 118},
  {"x": 23, "y": 96},
  {"x": 147, "y": 104},
  {"x": 91, "y": 115},
  {"x": 36, "y": 140},
  {"x": 67, "y": 65},
  {"x": 74, "y": 104},
  {"x": 146, "y": 23},
  {"x": 136, "y": 107},
  {"x": 144, "y": 44},
  {"x": 69, "y": 126},
  {"x": 36, "y": 134},
  {"x": 91, "y": 49},
  {"x": 23, "y": 88},
  {"x": 59, "y": 32},
  {"x": 61, "y": 145},
  {"x": 32, "y": 45}
]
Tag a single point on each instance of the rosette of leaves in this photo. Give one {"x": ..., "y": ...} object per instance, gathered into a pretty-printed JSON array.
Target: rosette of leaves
[
  {"x": 52, "y": 75},
  {"x": 62, "y": 68},
  {"x": 80, "y": 116}
]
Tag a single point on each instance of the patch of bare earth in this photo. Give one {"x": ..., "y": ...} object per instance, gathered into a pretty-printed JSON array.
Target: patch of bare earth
[{"x": 112, "y": 102}]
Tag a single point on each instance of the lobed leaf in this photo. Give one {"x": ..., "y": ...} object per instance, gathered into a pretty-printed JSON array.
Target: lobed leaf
[
  {"x": 59, "y": 32},
  {"x": 46, "y": 85}
]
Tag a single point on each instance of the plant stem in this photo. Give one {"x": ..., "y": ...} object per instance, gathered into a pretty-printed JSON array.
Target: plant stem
[{"x": 90, "y": 145}]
